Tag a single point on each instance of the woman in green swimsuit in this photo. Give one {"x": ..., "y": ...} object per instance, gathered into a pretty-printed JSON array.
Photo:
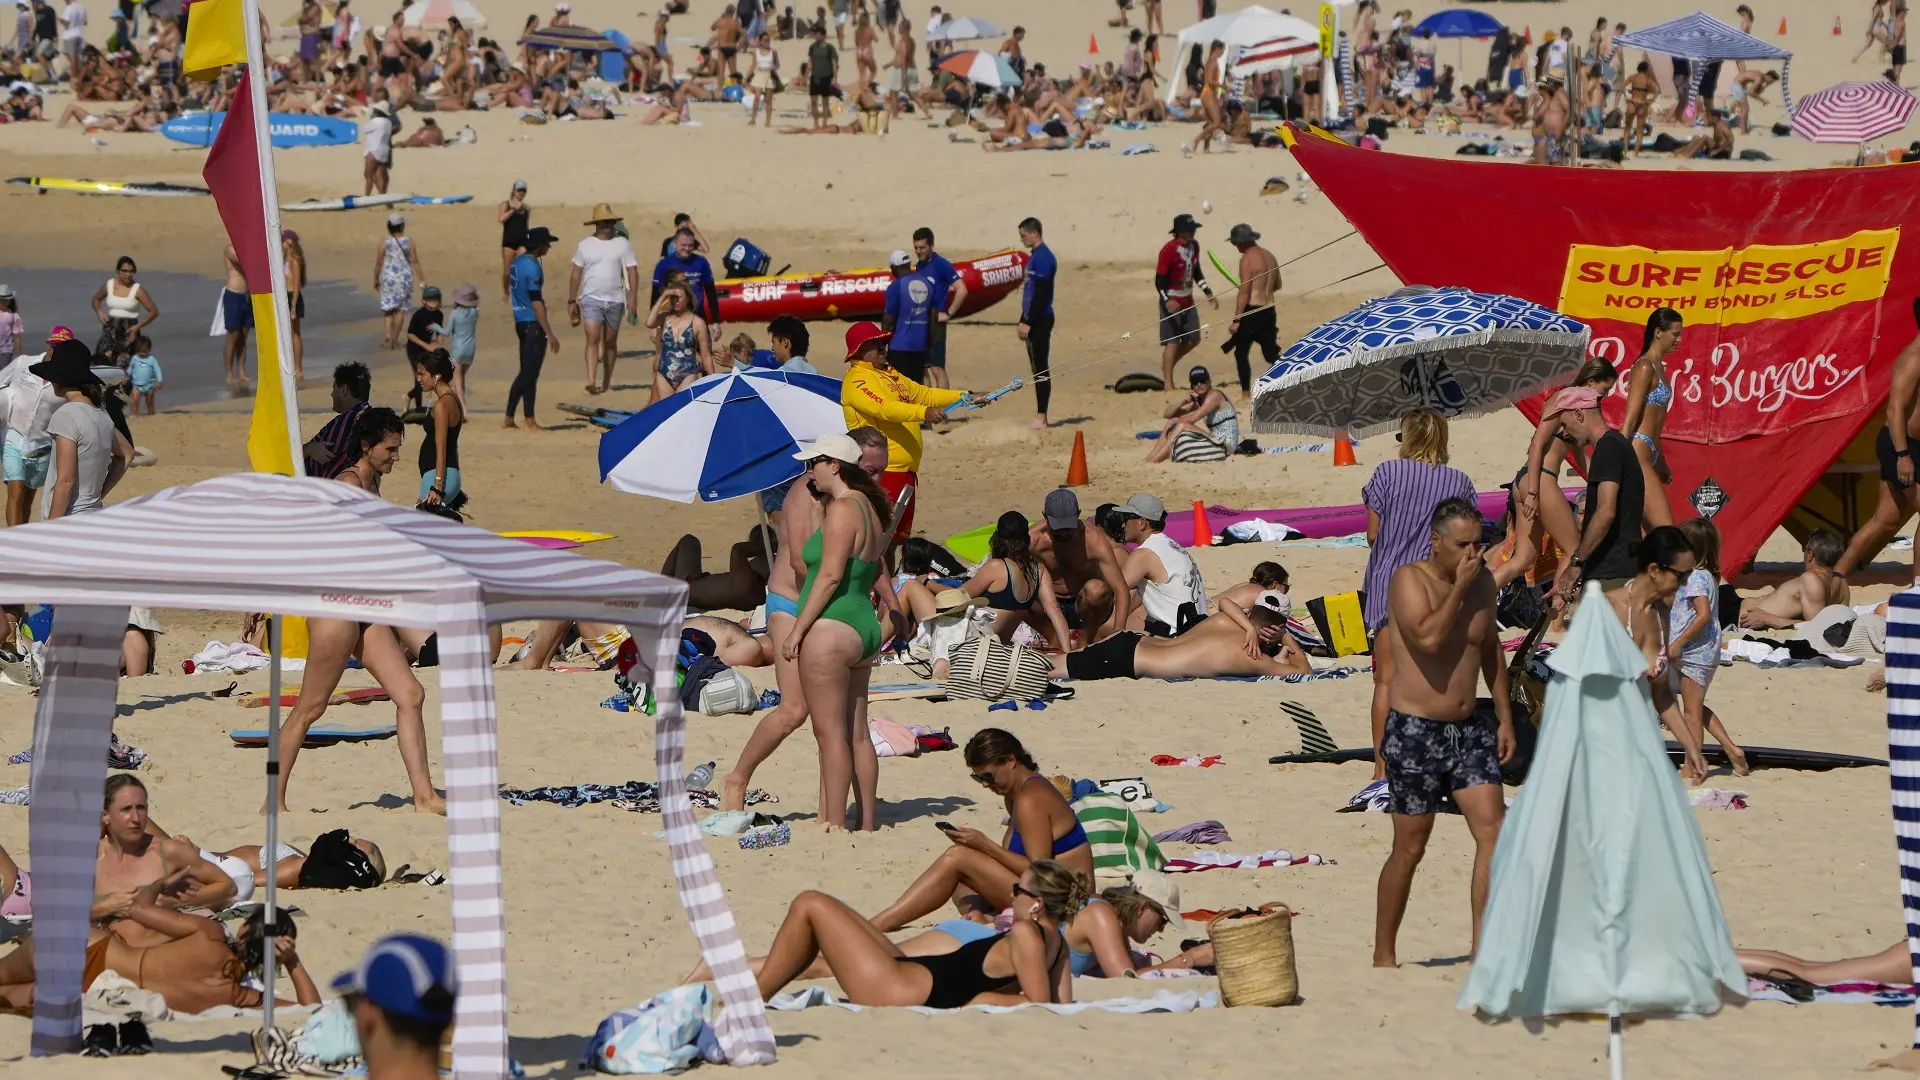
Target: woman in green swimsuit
[{"x": 836, "y": 636}]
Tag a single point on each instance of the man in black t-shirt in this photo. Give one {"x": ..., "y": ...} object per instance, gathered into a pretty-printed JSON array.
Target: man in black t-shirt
[
  {"x": 823, "y": 70},
  {"x": 1616, "y": 493}
]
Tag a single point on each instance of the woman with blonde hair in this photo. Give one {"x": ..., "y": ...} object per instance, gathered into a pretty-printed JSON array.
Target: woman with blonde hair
[
  {"x": 1401, "y": 497},
  {"x": 296, "y": 262},
  {"x": 683, "y": 343}
]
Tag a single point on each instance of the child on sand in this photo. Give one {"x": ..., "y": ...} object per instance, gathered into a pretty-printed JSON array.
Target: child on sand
[
  {"x": 1693, "y": 643},
  {"x": 463, "y": 323},
  {"x": 143, "y": 370}
]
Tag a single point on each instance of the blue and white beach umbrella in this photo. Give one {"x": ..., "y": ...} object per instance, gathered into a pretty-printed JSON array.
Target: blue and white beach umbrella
[
  {"x": 1454, "y": 350},
  {"x": 727, "y": 435}
]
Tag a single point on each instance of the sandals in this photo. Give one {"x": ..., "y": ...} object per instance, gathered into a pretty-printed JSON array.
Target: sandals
[{"x": 1792, "y": 985}]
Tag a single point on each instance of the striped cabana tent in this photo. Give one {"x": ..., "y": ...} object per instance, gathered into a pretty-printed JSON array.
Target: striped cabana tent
[
  {"x": 258, "y": 542},
  {"x": 1700, "y": 39}
]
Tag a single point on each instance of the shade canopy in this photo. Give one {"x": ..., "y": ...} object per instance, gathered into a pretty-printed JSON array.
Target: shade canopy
[
  {"x": 1459, "y": 23},
  {"x": 1700, "y": 36},
  {"x": 323, "y": 549},
  {"x": 1252, "y": 27},
  {"x": 964, "y": 29},
  {"x": 576, "y": 38},
  {"x": 435, "y": 14}
]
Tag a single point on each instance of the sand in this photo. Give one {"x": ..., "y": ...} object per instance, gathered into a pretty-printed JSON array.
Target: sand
[{"x": 593, "y": 920}]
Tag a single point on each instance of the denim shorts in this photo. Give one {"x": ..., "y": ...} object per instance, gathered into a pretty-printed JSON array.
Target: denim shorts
[
  {"x": 605, "y": 312},
  {"x": 16, "y": 465},
  {"x": 1427, "y": 759}
]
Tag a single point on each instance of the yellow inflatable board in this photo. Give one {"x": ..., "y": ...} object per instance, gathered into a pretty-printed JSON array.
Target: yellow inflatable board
[{"x": 576, "y": 535}]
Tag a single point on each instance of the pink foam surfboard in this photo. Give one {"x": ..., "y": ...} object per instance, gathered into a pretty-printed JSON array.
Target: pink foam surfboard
[
  {"x": 552, "y": 543},
  {"x": 1317, "y": 522}
]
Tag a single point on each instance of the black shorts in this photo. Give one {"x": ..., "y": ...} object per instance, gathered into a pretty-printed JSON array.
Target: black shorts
[
  {"x": 1889, "y": 462},
  {"x": 817, "y": 87},
  {"x": 1181, "y": 326},
  {"x": 391, "y": 66},
  {"x": 1427, "y": 759},
  {"x": 1070, "y": 611},
  {"x": 1899, "y": 55},
  {"x": 1109, "y": 659},
  {"x": 1187, "y": 617}
]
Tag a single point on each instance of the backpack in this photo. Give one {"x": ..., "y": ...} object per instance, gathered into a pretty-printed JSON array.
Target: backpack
[{"x": 727, "y": 691}]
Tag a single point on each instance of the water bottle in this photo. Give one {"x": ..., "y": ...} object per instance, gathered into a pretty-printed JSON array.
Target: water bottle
[{"x": 698, "y": 779}]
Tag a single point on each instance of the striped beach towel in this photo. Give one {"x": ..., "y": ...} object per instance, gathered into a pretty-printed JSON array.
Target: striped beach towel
[{"x": 1120, "y": 845}]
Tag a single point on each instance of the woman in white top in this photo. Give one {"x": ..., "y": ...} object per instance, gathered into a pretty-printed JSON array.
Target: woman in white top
[
  {"x": 766, "y": 67},
  {"x": 124, "y": 310}
]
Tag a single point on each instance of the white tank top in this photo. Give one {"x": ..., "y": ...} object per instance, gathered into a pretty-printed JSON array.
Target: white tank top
[
  {"x": 123, "y": 307},
  {"x": 1183, "y": 585},
  {"x": 763, "y": 61}
]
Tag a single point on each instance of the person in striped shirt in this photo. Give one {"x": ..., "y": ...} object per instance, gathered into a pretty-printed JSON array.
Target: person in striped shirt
[{"x": 326, "y": 453}]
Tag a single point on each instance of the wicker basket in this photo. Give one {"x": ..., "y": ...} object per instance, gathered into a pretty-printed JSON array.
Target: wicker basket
[{"x": 1254, "y": 955}]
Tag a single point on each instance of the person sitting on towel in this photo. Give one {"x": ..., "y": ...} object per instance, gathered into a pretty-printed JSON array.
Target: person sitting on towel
[
  {"x": 1214, "y": 648},
  {"x": 1800, "y": 599},
  {"x": 133, "y": 853},
  {"x": 186, "y": 959},
  {"x": 1173, "y": 597},
  {"x": 1205, "y": 410},
  {"x": 742, "y": 587},
  {"x": 338, "y": 860},
  {"x": 598, "y": 644}
]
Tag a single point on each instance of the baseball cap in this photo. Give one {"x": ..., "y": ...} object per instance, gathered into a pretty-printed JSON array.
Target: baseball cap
[
  {"x": 836, "y": 445},
  {"x": 1275, "y": 601},
  {"x": 1573, "y": 397},
  {"x": 59, "y": 334},
  {"x": 1062, "y": 510},
  {"x": 1198, "y": 373},
  {"x": 431, "y": 292},
  {"x": 407, "y": 975},
  {"x": 396, "y": 218},
  {"x": 900, "y": 258},
  {"x": 519, "y": 185},
  {"x": 540, "y": 235},
  {"x": 862, "y": 334},
  {"x": 1159, "y": 887},
  {"x": 1142, "y": 506}
]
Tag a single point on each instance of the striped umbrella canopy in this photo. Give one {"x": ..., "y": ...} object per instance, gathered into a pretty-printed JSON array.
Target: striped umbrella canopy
[
  {"x": 577, "y": 38},
  {"x": 433, "y": 15},
  {"x": 1276, "y": 55},
  {"x": 966, "y": 29},
  {"x": 1853, "y": 112},
  {"x": 1453, "y": 350},
  {"x": 982, "y": 68},
  {"x": 727, "y": 435},
  {"x": 321, "y": 549}
]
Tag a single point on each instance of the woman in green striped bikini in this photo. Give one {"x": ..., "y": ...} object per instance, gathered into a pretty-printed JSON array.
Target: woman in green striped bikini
[{"x": 836, "y": 636}]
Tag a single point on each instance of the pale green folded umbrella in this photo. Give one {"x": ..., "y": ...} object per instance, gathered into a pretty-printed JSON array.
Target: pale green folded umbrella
[{"x": 1602, "y": 901}]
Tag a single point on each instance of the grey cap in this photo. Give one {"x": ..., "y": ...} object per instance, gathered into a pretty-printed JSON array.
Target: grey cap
[
  {"x": 396, "y": 218},
  {"x": 519, "y": 185},
  {"x": 1062, "y": 510},
  {"x": 1143, "y": 506}
]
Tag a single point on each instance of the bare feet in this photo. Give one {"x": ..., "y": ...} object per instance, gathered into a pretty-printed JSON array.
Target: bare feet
[
  {"x": 509, "y": 423},
  {"x": 434, "y": 804},
  {"x": 1038, "y": 423},
  {"x": 1387, "y": 961},
  {"x": 1739, "y": 759},
  {"x": 1904, "y": 1061}
]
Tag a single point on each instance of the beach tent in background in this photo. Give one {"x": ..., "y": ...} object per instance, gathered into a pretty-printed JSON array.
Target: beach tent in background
[
  {"x": 965, "y": 29},
  {"x": 1701, "y": 39},
  {"x": 1601, "y": 901},
  {"x": 1853, "y": 112},
  {"x": 321, "y": 549},
  {"x": 1771, "y": 384},
  {"x": 1459, "y": 24},
  {"x": 1252, "y": 27}
]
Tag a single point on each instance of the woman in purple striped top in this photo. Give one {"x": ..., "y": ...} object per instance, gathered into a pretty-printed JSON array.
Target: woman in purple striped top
[{"x": 1400, "y": 498}]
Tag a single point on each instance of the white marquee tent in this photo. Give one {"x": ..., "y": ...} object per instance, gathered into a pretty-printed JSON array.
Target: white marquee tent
[{"x": 255, "y": 542}]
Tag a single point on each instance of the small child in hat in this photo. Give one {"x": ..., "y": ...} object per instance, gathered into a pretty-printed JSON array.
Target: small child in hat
[{"x": 463, "y": 324}]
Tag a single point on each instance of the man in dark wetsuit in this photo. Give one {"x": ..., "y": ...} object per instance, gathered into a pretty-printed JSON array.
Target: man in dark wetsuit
[
  {"x": 1895, "y": 450},
  {"x": 1085, "y": 567},
  {"x": 1443, "y": 639}
]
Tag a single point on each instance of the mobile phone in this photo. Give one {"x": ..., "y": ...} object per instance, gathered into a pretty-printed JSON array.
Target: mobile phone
[{"x": 944, "y": 826}]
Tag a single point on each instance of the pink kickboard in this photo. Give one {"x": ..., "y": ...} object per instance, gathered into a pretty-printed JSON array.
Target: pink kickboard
[
  {"x": 1317, "y": 522},
  {"x": 554, "y": 543}
]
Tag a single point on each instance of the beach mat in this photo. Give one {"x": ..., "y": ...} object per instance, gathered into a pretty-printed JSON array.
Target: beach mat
[
  {"x": 1758, "y": 757},
  {"x": 290, "y": 696},
  {"x": 906, "y": 691},
  {"x": 318, "y": 735}
]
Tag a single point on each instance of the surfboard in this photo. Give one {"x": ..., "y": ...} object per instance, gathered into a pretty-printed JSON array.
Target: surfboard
[
  {"x": 550, "y": 543},
  {"x": 318, "y": 735},
  {"x": 1222, "y": 267},
  {"x": 290, "y": 696},
  {"x": 439, "y": 200},
  {"x": 288, "y": 130},
  {"x": 348, "y": 202},
  {"x": 1758, "y": 757},
  {"x": 109, "y": 187},
  {"x": 578, "y": 536}
]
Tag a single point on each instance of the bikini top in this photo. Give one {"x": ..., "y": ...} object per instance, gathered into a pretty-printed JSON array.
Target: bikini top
[
  {"x": 1074, "y": 837},
  {"x": 1661, "y": 395},
  {"x": 1006, "y": 599}
]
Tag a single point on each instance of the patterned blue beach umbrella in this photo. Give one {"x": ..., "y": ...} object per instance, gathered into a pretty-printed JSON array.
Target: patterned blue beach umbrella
[
  {"x": 727, "y": 435},
  {"x": 1453, "y": 350}
]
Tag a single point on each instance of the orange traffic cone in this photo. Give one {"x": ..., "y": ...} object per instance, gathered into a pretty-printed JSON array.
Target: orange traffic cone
[
  {"x": 1836, "y": 26},
  {"x": 1783, "y": 26},
  {"x": 1343, "y": 449},
  {"x": 1077, "y": 464},
  {"x": 1093, "y": 44},
  {"x": 1202, "y": 532}
]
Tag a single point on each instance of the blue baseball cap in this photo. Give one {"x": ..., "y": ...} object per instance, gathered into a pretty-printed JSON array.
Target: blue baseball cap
[{"x": 407, "y": 975}]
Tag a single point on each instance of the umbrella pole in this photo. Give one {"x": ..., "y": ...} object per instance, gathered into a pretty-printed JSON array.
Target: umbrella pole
[
  {"x": 268, "y": 865},
  {"x": 1614, "y": 1048}
]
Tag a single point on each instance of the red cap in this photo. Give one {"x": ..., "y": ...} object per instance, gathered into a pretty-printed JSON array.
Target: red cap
[{"x": 862, "y": 334}]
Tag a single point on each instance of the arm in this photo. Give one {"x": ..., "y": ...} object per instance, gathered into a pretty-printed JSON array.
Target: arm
[
  {"x": 117, "y": 464},
  {"x": 439, "y": 489},
  {"x": 928, "y": 396},
  {"x": 1536, "y": 460},
  {"x": 836, "y": 541},
  {"x": 1493, "y": 668},
  {"x": 1637, "y": 388},
  {"x": 702, "y": 346},
  {"x": 700, "y": 238},
  {"x": 1108, "y": 940},
  {"x": 1423, "y": 625},
  {"x": 1038, "y": 982},
  {"x": 1906, "y": 381},
  {"x": 413, "y": 256},
  {"x": 1525, "y": 551},
  {"x": 1050, "y": 604},
  {"x": 957, "y": 295},
  {"x": 379, "y": 261},
  {"x": 1110, "y": 572},
  {"x": 148, "y": 911},
  {"x": 573, "y": 287},
  {"x": 153, "y": 311},
  {"x": 66, "y": 460},
  {"x": 1373, "y": 526},
  {"x": 98, "y": 298},
  {"x": 1604, "y": 498},
  {"x": 712, "y": 293}
]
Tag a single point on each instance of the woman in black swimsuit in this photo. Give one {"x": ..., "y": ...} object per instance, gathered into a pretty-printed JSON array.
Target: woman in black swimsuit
[
  {"x": 1027, "y": 963},
  {"x": 514, "y": 214}
]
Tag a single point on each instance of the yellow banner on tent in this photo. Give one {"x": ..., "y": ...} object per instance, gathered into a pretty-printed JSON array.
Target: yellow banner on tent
[
  {"x": 216, "y": 37},
  {"x": 1729, "y": 286}
]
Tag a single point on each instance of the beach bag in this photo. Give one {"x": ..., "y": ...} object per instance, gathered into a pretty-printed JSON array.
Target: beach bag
[
  {"x": 1120, "y": 844},
  {"x": 988, "y": 669},
  {"x": 1137, "y": 382},
  {"x": 1518, "y": 604},
  {"x": 1191, "y": 446},
  {"x": 665, "y": 1034},
  {"x": 727, "y": 691},
  {"x": 1254, "y": 955},
  {"x": 694, "y": 680},
  {"x": 329, "y": 1037},
  {"x": 1340, "y": 621}
]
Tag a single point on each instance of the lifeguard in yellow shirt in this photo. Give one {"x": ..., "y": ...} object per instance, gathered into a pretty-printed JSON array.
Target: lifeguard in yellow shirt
[{"x": 875, "y": 394}]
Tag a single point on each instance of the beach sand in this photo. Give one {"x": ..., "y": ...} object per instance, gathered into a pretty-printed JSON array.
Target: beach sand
[{"x": 593, "y": 919}]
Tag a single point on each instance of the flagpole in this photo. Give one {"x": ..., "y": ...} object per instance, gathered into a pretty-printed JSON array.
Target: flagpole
[{"x": 270, "y": 207}]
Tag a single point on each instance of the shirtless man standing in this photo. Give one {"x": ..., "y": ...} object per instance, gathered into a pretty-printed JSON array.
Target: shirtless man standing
[
  {"x": 1550, "y": 124},
  {"x": 1796, "y": 601},
  {"x": 727, "y": 34},
  {"x": 1259, "y": 280},
  {"x": 1444, "y": 640},
  {"x": 236, "y": 310},
  {"x": 1642, "y": 88},
  {"x": 1894, "y": 448},
  {"x": 905, "y": 79},
  {"x": 1085, "y": 568}
]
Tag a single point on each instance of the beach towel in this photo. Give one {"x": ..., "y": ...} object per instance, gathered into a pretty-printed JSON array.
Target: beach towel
[
  {"x": 1200, "y": 832},
  {"x": 1194, "y": 862},
  {"x": 640, "y": 796},
  {"x": 1120, "y": 845},
  {"x": 1857, "y": 993},
  {"x": 1165, "y": 1001},
  {"x": 238, "y": 657},
  {"x": 1258, "y": 530}
]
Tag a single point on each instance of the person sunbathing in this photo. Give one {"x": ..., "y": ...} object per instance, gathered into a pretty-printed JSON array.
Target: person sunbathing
[
  {"x": 1028, "y": 963},
  {"x": 1892, "y": 965},
  {"x": 946, "y": 936},
  {"x": 1043, "y": 828},
  {"x": 1098, "y": 935},
  {"x": 132, "y": 853},
  {"x": 190, "y": 962},
  {"x": 853, "y": 128},
  {"x": 742, "y": 587},
  {"x": 1800, "y": 599},
  {"x": 733, "y": 644},
  {"x": 365, "y": 871},
  {"x": 1213, "y": 648},
  {"x": 1716, "y": 143},
  {"x": 1266, "y": 586}
]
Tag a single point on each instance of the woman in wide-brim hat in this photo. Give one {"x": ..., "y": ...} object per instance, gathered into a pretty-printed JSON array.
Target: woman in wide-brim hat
[{"x": 89, "y": 454}]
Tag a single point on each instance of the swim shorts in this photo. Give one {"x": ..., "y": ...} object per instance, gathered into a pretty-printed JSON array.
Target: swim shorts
[
  {"x": 236, "y": 310},
  {"x": 604, "y": 312},
  {"x": 909, "y": 362},
  {"x": 1889, "y": 462},
  {"x": 1109, "y": 659},
  {"x": 819, "y": 87},
  {"x": 391, "y": 66},
  {"x": 16, "y": 465},
  {"x": 1181, "y": 326},
  {"x": 1426, "y": 759}
]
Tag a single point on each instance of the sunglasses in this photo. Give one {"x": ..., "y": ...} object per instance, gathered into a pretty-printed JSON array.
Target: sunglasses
[
  {"x": 982, "y": 777},
  {"x": 1022, "y": 890}
]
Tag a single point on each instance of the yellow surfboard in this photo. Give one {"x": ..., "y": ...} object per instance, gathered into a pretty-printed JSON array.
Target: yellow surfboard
[{"x": 578, "y": 536}]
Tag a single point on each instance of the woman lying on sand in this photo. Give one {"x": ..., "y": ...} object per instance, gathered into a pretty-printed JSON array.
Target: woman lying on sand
[
  {"x": 1044, "y": 827},
  {"x": 1892, "y": 965},
  {"x": 1027, "y": 963},
  {"x": 195, "y": 969}
]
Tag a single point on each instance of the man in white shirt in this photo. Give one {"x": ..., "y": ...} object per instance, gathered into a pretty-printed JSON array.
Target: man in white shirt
[
  {"x": 30, "y": 404},
  {"x": 377, "y": 137},
  {"x": 1173, "y": 598},
  {"x": 73, "y": 33},
  {"x": 602, "y": 264}
]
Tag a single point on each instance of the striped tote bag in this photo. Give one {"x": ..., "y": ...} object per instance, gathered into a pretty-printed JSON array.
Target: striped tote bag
[
  {"x": 988, "y": 669},
  {"x": 1120, "y": 843}
]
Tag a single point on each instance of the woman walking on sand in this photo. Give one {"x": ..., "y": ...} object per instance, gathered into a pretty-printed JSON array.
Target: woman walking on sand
[
  {"x": 836, "y": 635},
  {"x": 1649, "y": 399},
  {"x": 514, "y": 214},
  {"x": 394, "y": 272},
  {"x": 296, "y": 296},
  {"x": 124, "y": 310},
  {"x": 440, "y": 450}
]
